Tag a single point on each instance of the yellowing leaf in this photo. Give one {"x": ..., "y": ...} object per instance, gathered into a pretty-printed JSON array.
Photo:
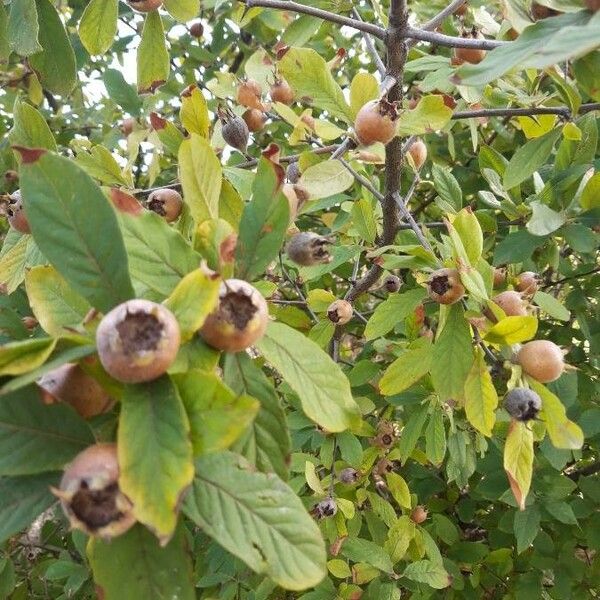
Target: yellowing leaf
[
  {"x": 98, "y": 25},
  {"x": 399, "y": 537},
  {"x": 364, "y": 87},
  {"x": 399, "y": 489},
  {"x": 431, "y": 114},
  {"x": 326, "y": 179},
  {"x": 406, "y": 370},
  {"x": 319, "y": 300},
  {"x": 518, "y": 460},
  {"x": 512, "y": 330},
  {"x": 194, "y": 113},
  {"x": 468, "y": 228},
  {"x": 153, "y": 56},
  {"x": 481, "y": 398},
  {"x": 314, "y": 483},
  {"x": 537, "y": 125}
]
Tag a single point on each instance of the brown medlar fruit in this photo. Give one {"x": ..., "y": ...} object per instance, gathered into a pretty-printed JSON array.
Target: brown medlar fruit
[
  {"x": 392, "y": 283},
  {"x": 138, "y": 341},
  {"x": 419, "y": 514},
  {"x": 16, "y": 214},
  {"x": 128, "y": 125},
  {"x": 541, "y": 359},
  {"x": 167, "y": 203},
  {"x": 249, "y": 94},
  {"x": 470, "y": 55},
  {"x": 376, "y": 122},
  {"x": 196, "y": 29},
  {"x": 340, "y": 312},
  {"x": 325, "y": 508},
  {"x": 499, "y": 277},
  {"x": 240, "y": 318},
  {"x": 235, "y": 133},
  {"x": 293, "y": 172},
  {"x": 255, "y": 119},
  {"x": 511, "y": 303},
  {"x": 522, "y": 404},
  {"x": 349, "y": 475},
  {"x": 90, "y": 496},
  {"x": 282, "y": 92},
  {"x": 444, "y": 286},
  {"x": 145, "y": 6},
  {"x": 527, "y": 283},
  {"x": 418, "y": 153},
  {"x": 308, "y": 248},
  {"x": 593, "y": 5}
]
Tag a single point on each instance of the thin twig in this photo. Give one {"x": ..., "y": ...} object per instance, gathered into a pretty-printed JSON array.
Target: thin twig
[
  {"x": 297, "y": 288},
  {"x": 371, "y": 46},
  {"x": 442, "y": 15},
  {"x": 452, "y": 42},
  {"x": 563, "y": 111}
]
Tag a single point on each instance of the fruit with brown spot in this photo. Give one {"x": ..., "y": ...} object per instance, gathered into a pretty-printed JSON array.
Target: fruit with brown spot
[
  {"x": 340, "y": 312},
  {"x": 445, "y": 287},
  {"x": 282, "y": 92},
  {"x": 308, "y": 248},
  {"x": 167, "y": 203},
  {"x": 255, "y": 119},
  {"x": 527, "y": 283}
]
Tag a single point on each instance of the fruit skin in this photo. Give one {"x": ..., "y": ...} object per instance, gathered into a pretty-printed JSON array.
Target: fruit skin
[
  {"x": 138, "y": 341},
  {"x": 325, "y": 508},
  {"x": 444, "y": 286},
  {"x": 419, "y": 514},
  {"x": 308, "y": 248},
  {"x": 293, "y": 172},
  {"x": 376, "y": 122},
  {"x": 90, "y": 495},
  {"x": 348, "y": 475},
  {"x": 196, "y": 29},
  {"x": 128, "y": 125},
  {"x": 16, "y": 213},
  {"x": 527, "y": 282},
  {"x": 167, "y": 203},
  {"x": 235, "y": 133},
  {"x": 499, "y": 277},
  {"x": 145, "y": 5},
  {"x": 255, "y": 119},
  {"x": 72, "y": 385},
  {"x": 511, "y": 303},
  {"x": 522, "y": 404},
  {"x": 296, "y": 196},
  {"x": 542, "y": 360},
  {"x": 249, "y": 93},
  {"x": 593, "y": 5},
  {"x": 282, "y": 92},
  {"x": 418, "y": 153},
  {"x": 470, "y": 55},
  {"x": 392, "y": 283},
  {"x": 239, "y": 320},
  {"x": 340, "y": 312}
]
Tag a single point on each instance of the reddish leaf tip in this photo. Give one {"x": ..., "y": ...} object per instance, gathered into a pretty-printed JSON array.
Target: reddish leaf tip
[
  {"x": 125, "y": 202},
  {"x": 29, "y": 155},
  {"x": 157, "y": 121}
]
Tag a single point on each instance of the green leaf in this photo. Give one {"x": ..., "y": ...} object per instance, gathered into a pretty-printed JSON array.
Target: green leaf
[
  {"x": 526, "y": 527},
  {"x": 103, "y": 166},
  {"x": 364, "y": 87},
  {"x": 323, "y": 389},
  {"x": 326, "y": 179},
  {"x": 452, "y": 355},
  {"x": 21, "y": 356},
  {"x": 512, "y": 330},
  {"x": 159, "y": 256},
  {"x": 121, "y": 92},
  {"x": 406, "y": 370},
  {"x": 544, "y": 220},
  {"x": 217, "y": 416},
  {"x": 193, "y": 299},
  {"x": 435, "y": 438},
  {"x": 516, "y": 247},
  {"x": 55, "y": 305},
  {"x": 411, "y": 433},
  {"x": 447, "y": 186},
  {"x": 23, "y": 27},
  {"x": 259, "y": 519},
  {"x": 399, "y": 489},
  {"x": 4, "y": 41},
  {"x": 55, "y": 65},
  {"x": 23, "y": 499},
  {"x": 365, "y": 551},
  {"x": 155, "y": 453},
  {"x": 590, "y": 197},
  {"x": 264, "y": 222},
  {"x": 426, "y": 571},
  {"x": 59, "y": 198},
  {"x": 468, "y": 228},
  {"x": 562, "y": 431},
  {"x": 311, "y": 79},
  {"x": 518, "y": 460},
  {"x": 35, "y": 437},
  {"x": 551, "y": 306},
  {"x": 266, "y": 442},
  {"x": 201, "y": 174},
  {"x": 529, "y": 158},
  {"x": 98, "y": 25},
  {"x": 431, "y": 114},
  {"x": 399, "y": 537},
  {"x": 134, "y": 565},
  {"x": 194, "y": 113},
  {"x": 481, "y": 398},
  {"x": 170, "y": 137},
  {"x": 30, "y": 128},
  {"x": 393, "y": 310},
  {"x": 182, "y": 10},
  {"x": 363, "y": 220},
  {"x": 152, "y": 56}
]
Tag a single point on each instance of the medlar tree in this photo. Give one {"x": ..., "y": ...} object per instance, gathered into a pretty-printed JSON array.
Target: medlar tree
[{"x": 309, "y": 309}]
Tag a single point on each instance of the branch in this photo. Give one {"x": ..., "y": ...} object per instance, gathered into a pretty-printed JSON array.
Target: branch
[
  {"x": 441, "y": 16},
  {"x": 452, "y": 42},
  {"x": 563, "y": 111},
  {"x": 289, "y": 5},
  {"x": 571, "y": 277},
  {"x": 371, "y": 46}
]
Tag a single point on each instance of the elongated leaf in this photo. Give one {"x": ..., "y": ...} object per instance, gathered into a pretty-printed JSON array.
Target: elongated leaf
[
  {"x": 264, "y": 222},
  {"x": 364, "y": 87},
  {"x": 98, "y": 25},
  {"x": 551, "y": 306},
  {"x": 134, "y": 565},
  {"x": 411, "y": 433},
  {"x": 359, "y": 550},
  {"x": 153, "y": 56},
  {"x": 266, "y": 442},
  {"x": 30, "y": 128},
  {"x": 217, "y": 416},
  {"x": 481, "y": 398},
  {"x": 399, "y": 537},
  {"x": 155, "y": 453},
  {"x": 121, "y": 92},
  {"x": 258, "y": 518},
  {"x": 24, "y": 355},
  {"x": 325, "y": 179},
  {"x": 194, "y": 113},
  {"x": 431, "y": 114},
  {"x": 103, "y": 166},
  {"x": 406, "y": 370},
  {"x": 392, "y": 311},
  {"x": 34, "y": 437},
  {"x": 55, "y": 65},
  {"x": 468, "y": 228},
  {"x": 23, "y": 27},
  {"x": 429, "y": 572},
  {"x": 59, "y": 198},
  {"x": 512, "y": 330},
  {"x": 518, "y": 460},
  {"x": 452, "y": 355},
  {"x": 4, "y": 41},
  {"x": 182, "y": 10},
  {"x": 399, "y": 489},
  {"x": 526, "y": 527},
  {"x": 323, "y": 389},
  {"x": 435, "y": 438}
]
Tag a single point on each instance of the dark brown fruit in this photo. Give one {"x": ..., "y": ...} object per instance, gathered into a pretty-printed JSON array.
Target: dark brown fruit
[
  {"x": 255, "y": 119},
  {"x": 239, "y": 320},
  {"x": 542, "y": 360},
  {"x": 470, "y": 55},
  {"x": 72, "y": 385},
  {"x": 282, "y": 92},
  {"x": 499, "y": 277},
  {"x": 392, "y": 283},
  {"x": 145, "y": 5},
  {"x": 196, "y": 29},
  {"x": 445, "y": 287},
  {"x": 349, "y": 475},
  {"x": 16, "y": 214},
  {"x": 325, "y": 508},
  {"x": 376, "y": 122},
  {"x": 419, "y": 514},
  {"x": 249, "y": 94},
  {"x": 418, "y": 153},
  {"x": 236, "y": 134},
  {"x": 293, "y": 172},
  {"x": 340, "y": 312},
  {"x": 308, "y": 248},
  {"x": 511, "y": 303},
  {"x": 138, "y": 341},
  {"x": 522, "y": 404},
  {"x": 128, "y": 125},
  {"x": 527, "y": 283},
  {"x": 167, "y": 203},
  {"x": 90, "y": 496}
]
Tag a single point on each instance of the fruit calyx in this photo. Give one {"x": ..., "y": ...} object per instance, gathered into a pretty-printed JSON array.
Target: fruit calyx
[{"x": 308, "y": 248}]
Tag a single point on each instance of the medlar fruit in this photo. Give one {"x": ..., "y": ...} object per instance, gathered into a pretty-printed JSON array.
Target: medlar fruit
[
  {"x": 282, "y": 92},
  {"x": 522, "y": 404},
  {"x": 308, "y": 248},
  {"x": 138, "y": 341},
  {"x": 196, "y": 29},
  {"x": 167, "y": 203},
  {"x": 418, "y": 153},
  {"x": 16, "y": 214},
  {"x": 293, "y": 172},
  {"x": 541, "y": 359},
  {"x": 419, "y": 514},
  {"x": 239, "y": 320},
  {"x": 470, "y": 55},
  {"x": 255, "y": 119},
  {"x": 90, "y": 496},
  {"x": 325, "y": 508},
  {"x": 593, "y": 5},
  {"x": 128, "y": 125},
  {"x": 376, "y": 122},
  {"x": 72, "y": 385},
  {"x": 392, "y": 283},
  {"x": 340, "y": 312},
  {"x": 499, "y": 277},
  {"x": 444, "y": 286},
  {"x": 511, "y": 303},
  {"x": 249, "y": 93},
  {"x": 349, "y": 475},
  {"x": 145, "y": 5},
  {"x": 235, "y": 133},
  {"x": 527, "y": 283}
]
